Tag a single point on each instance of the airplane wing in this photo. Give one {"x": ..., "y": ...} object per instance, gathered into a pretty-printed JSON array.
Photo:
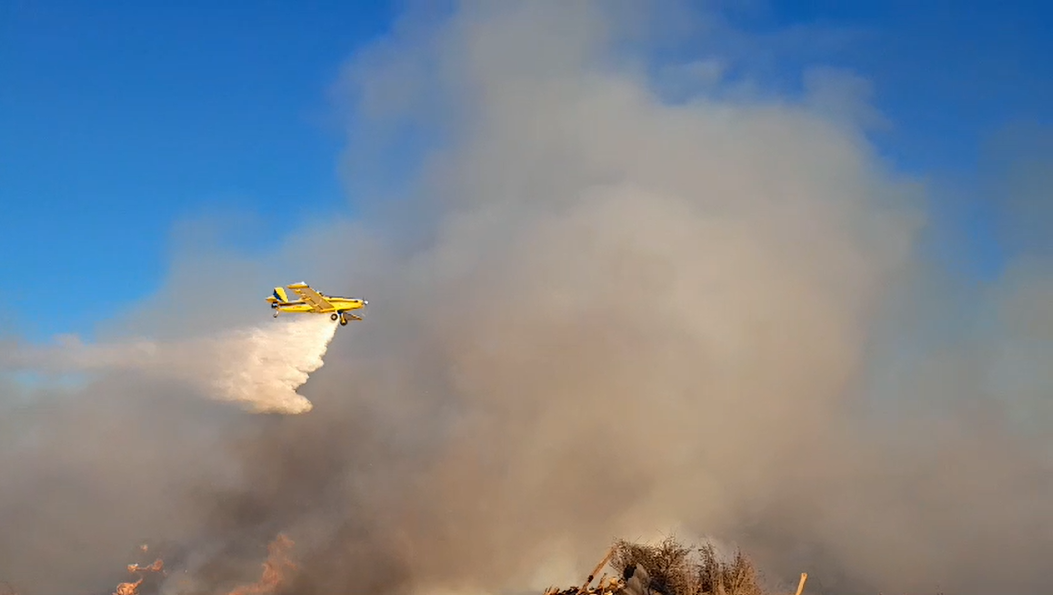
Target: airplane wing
[{"x": 312, "y": 297}]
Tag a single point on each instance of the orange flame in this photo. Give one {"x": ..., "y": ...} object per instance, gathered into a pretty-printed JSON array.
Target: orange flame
[
  {"x": 128, "y": 588},
  {"x": 133, "y": 588},
  {"x": 157, "y": 566},
  {"x": 276, "y": 569}
]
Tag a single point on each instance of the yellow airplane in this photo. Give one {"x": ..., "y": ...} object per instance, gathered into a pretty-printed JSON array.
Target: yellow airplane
[{"x": 312, "y": 302}]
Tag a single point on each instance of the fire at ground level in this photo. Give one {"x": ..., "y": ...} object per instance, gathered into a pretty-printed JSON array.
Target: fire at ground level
[{"x": 667, "y": 568}]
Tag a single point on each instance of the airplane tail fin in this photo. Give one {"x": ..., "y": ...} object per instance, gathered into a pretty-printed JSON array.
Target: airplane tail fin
[{"x": 278, "y": 296}]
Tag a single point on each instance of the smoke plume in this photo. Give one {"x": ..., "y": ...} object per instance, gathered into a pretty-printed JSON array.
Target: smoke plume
[{"x": 596, "y": 312}]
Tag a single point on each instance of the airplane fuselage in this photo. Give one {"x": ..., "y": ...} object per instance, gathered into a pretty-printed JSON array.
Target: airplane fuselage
[
  {"x": 312, "y": 302},
  {"x": 340, "y": 304}
]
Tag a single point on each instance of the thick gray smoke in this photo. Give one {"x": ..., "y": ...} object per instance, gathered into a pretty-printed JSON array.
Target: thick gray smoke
[{"x": 594, "y": 313}]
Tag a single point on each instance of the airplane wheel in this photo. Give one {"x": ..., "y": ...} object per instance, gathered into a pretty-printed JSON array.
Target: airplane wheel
[
  {"x": 334, "y": 316},
  {"x": 343, "y": 322}
]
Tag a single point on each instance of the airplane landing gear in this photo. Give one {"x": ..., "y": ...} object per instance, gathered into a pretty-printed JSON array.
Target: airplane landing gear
[
  {"x": 343, "y": 321},
  {"x": 334, "y": 316}
]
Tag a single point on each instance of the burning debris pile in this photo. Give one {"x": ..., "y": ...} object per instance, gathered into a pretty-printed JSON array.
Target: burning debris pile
[{"x": 671, "y": 568}]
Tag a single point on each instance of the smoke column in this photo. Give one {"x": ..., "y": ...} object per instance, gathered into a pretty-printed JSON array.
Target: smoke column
[
  {"x": 602, "y": 313},
  {"x": 259, "y": 367}
]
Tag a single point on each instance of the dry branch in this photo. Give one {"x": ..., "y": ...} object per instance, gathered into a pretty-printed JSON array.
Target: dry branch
[{"x": 592, "y": 575}]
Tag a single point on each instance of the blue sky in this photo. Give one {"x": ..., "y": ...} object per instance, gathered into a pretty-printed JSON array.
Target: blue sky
[{"x": 118, "y": 119}]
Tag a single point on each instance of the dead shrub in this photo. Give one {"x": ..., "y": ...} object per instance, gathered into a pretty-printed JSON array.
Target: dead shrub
[{"x": 676, "y": 569}]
